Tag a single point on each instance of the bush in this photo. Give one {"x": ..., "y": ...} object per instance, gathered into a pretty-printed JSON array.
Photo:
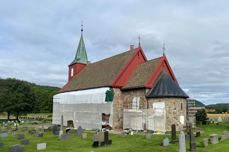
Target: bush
[{"x": 201, "y": 117}]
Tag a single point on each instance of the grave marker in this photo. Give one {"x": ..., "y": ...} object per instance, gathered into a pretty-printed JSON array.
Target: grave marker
[
  {"x": 214, "y": 139},
  {"x": 192, "y": 143},
  {"x": 41, "y": 146},
  {"x": 165, "y": 142},
  {"x": 16, "y": 148},
  {"x": 20, "y": 136},
  {"x": 173, "y": 135},
  {"x": 205, "y": 142},
  {"x": 79, "y": 131},
  {"x": 25, "y": 141},
  {"x": 182, "y": 147},
  {"x": 1, "y": 144},
  {"x": 3, "y": 134}
]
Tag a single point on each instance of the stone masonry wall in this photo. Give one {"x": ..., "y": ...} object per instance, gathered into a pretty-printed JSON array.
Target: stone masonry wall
[
  {"x": 123, "y": 99},
  {"x": 175, "y": 107}
]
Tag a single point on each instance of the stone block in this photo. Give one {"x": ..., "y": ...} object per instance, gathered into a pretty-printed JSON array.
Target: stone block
[
  {"x": 16, "y": 148},
  {"x": 214, "y": 139},
  {"x": 20, "y": 136},
  {"x": 25, "y": 141},
  {"x": 41, "y": 146},
  {"x": 205, "y": 142}
]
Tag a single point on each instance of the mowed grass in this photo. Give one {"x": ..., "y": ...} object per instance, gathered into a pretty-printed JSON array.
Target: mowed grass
[{"x": 135, "y": 143}]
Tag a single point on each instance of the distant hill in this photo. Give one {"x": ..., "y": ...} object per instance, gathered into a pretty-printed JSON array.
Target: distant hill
[
  {"x": 197, "y": 103},
  {"x": 219, "y": 107},
  {"x": 43, "y": 95}
]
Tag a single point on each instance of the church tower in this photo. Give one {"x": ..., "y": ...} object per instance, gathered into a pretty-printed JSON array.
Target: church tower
[{"x": 80, "y": 60}]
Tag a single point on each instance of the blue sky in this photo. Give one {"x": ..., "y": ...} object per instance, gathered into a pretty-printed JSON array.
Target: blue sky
[{"x": 38, "y": 39}]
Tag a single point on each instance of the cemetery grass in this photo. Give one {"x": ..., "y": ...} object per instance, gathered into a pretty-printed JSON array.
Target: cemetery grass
[{"x": 135, "y": 143}]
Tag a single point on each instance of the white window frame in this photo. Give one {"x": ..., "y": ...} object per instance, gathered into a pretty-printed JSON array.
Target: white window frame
[{"x": 136, "y": 103}]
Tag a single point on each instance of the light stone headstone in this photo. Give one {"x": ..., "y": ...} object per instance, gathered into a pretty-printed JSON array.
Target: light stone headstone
[
  {"x": 16, "y": 148},
  {"x": 165, "y": 142},
  {"x": 41, "y": 146},
  {"x": 84, "y": 135},
  {"x": 148, "y": 135},
  {"x": 79, "y": 131},
  {"x": 3, "y": 134},
  {"x": 182, "y": 146},
  {"x": 61, "y": 126},
  {"x": 205, "y": 142},
  {"x": 214, "y": 139}
]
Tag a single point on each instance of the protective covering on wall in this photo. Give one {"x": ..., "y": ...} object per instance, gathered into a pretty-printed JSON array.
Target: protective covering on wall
[
  {"x": 154, "y": 118},
  {"x": 84, "y": 96},
  {"x": 85, "y": 108}
]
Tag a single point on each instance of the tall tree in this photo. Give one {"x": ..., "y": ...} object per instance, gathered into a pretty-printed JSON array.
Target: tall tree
[{"x": 17, "y": 98}]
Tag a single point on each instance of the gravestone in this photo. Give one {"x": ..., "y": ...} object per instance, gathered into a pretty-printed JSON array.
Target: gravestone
[
  {"x": 225, "y": 135},
  {"x": 95, "y": 144},
  {"x": 214, "y": 139},
  {"x": 16, "y": 148},
  {"x": 1, "y": 144},
  {"x": 3, "y": 134},
  {"x": 165, "y": 142},
  {"x": 84, "y": 135},
  {"x": 205, "y": 142},
  {"x": 55, "y": 130},
  {"x": 39, "y": 134},
  {"x": 25, "y": 141},
  {"x": 173, "y": 135},
  {"x": 79, "y": 131},
  {"x": 32, "y": 132},
  {"x": 182, "y": 146},
  {"x": 61, "y": 126},
  {"x": 64, "y": 137},
  {"x": 192, "y": 142},
  {"x": 41, "y": 146},
  {"x": 20, "y": 136},
  {"x": 106, "y": 138},
  {"x": 197, "y": 134},
  {"x": 148, "y": 135}
]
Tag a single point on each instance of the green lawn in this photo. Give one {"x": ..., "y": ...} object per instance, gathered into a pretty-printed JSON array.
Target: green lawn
[{"x": 129, "y": 143}]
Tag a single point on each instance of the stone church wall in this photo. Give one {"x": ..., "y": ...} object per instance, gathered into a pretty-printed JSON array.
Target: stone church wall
[{"x": 175, "y": 107}]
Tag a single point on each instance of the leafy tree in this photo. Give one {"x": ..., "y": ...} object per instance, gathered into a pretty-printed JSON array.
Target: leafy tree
[
  {"x": 17, "y": 97},
  {"x": 201, "y": 117}
]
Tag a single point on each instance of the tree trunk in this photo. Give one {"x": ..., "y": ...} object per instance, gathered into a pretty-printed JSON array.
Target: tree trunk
[{"x": 8, "y": 115}]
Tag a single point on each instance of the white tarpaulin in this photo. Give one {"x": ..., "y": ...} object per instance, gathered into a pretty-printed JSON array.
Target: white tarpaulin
[{"x": 84, "y": 96}]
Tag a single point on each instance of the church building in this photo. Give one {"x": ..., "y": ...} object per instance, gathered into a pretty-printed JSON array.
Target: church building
[{"x": 121, "y": 92}]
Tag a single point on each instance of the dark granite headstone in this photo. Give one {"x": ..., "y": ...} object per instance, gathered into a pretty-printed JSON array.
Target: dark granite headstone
[
  {"x": 95, "y": 144},
  {"x": 32, "y": 132},
  {"x": 173, "y": 133},
  {"x": 64, "y": 137},
  {"x": 1, "y": 144},
  {"x": 25, "y": 141},
  {"x": 39, "y": 134},
  {"x": 79, "y": 131},
  {"x": 106, "y": 137},
  {"x": 16, "y": 148},
  {"x": 197, "y": 134},
  {"x": 55, "y": 130},
  {"x": 192, "y": 143},
  {"x": 20, "y": 136}
]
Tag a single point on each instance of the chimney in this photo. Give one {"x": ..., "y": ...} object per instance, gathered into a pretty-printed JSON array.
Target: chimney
[{"x": 131, "y": 47}]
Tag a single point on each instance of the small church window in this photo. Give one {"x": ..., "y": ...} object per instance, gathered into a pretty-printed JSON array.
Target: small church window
[
  {"x": 136, "y": 103},
  {"x": 72, "y": 72},
  {"x": 181, "y": 106}
]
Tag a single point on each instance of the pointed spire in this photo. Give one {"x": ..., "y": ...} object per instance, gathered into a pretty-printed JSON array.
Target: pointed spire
[{"x": 81, "y": 54}]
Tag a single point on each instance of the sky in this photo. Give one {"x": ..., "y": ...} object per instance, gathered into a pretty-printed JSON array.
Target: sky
[{"x": 38, "y": 39}]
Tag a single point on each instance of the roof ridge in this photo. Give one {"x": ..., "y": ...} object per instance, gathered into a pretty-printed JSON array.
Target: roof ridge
[{"x": 114, "y": 56}]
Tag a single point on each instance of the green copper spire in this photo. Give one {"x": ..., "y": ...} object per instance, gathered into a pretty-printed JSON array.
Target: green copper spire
[{"x": 81, "y": 54}]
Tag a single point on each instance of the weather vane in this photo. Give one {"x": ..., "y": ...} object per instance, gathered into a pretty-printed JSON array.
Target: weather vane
[
  {"x": 82, "y": 26},
  {"x": 163, "y": 48},
  {"x": 139, "y": 40}
]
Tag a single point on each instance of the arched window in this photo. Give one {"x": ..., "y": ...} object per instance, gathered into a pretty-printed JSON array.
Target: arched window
[{"x": 72, "y": 72}]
